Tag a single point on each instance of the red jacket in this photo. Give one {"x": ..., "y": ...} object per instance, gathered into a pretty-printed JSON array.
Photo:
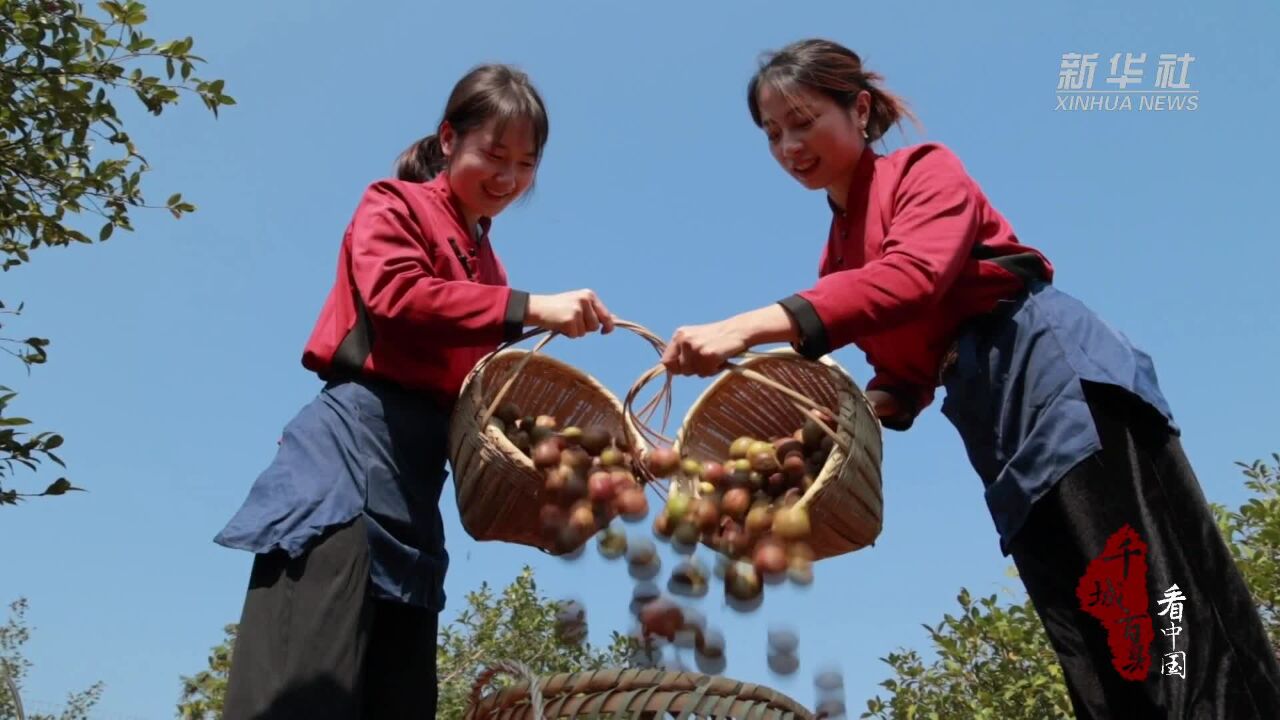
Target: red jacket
[
  {"x": 418, "y": 300},
  {"x": 917, "y": 252}
]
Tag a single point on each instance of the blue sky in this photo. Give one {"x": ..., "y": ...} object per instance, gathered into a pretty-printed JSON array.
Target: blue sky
[{"x": 175, "y": 351}]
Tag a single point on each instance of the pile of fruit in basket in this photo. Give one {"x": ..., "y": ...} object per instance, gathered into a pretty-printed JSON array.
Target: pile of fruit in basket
[{"x": 587, "y": 475}]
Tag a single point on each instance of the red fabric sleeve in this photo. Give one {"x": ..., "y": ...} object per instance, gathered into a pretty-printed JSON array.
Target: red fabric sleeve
[
  {"x": 934, "y": 227},
  {"x": 394, "y": 272}
]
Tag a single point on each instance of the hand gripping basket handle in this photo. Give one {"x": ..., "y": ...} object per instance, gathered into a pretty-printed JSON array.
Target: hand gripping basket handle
[{"x": 636, "y": 328}]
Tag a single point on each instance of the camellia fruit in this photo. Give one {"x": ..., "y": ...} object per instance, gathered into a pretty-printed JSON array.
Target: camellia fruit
[
  {"x": 769, "y": 557},
  {"x": 508, "y": 413},
  {"x": 705, "y": 514},
  {"x": 612, "y": 543},
  {"x": 691, "y": 468},
  {"x": 677, "y": 504},
  {"x": 612, "y": 457},
  {"x": 632, "y": 503},
  {"x": 662, "y": 525},
  {"x": 736, "y": 502},
  {"x": 791, "y": 523},
  {"x": 742, "y": 582},
  {"x": 662, "y": 462},
  {"x": 546, "y": 454},
  {"x": 661, "y": 617},
  {"x": 581, "y": 519},
  {"x": 595, "y": 440},
  {"x": 713, "y": 473},
  {"x": 759, "y": 519},
  {"x": 740, "y": 448},
  {"x": 600, "y": 487}
]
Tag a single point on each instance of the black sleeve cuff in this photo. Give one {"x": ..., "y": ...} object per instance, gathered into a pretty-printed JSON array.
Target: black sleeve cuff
[
  {"x": 513, "y": 322},
  {"x": 906, "y": 417},
  {"x": 813, "y": 334}
]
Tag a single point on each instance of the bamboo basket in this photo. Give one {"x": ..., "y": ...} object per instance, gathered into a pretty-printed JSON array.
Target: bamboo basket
[
  {"x": 771, "y": 394},
  {"x": 498, "y": 488},
  {"x": 632, "y": 694}
]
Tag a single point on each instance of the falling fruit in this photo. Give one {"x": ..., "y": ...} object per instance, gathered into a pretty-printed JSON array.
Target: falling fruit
[
  {"x": 632, "y": 504},
  {"x": 770, "y": 557},
  {"x": 742, "y": 582},
  {"x": 612, "y": 543},
  {"x": 661, "y": 617}
]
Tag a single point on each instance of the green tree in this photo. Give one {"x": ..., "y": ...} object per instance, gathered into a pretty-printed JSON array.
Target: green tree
[
  {"x": 993, "y": 660},
  {"x": 204, "y": 692},
  {"x": 66, "y": 162},
  {"x": 1253, "y": 534},
  {"x": 519, "y": 625},
  {"x": 13, "y": 668}
]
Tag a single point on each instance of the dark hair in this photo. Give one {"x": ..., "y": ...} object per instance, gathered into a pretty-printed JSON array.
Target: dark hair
[
  {"x": 833, "y": 70},
  {"x": 486, "y": 92}
]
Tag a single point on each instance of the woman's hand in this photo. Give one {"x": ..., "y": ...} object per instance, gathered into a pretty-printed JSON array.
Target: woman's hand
[
  {"x": 572, "y": 314},
  {"x": 703, "y": 349}
]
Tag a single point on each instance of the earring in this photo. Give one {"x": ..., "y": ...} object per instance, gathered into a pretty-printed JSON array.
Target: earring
[{"x": 864, "y": 133}]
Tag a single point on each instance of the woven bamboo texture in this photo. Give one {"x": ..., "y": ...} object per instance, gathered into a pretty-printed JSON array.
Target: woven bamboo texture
[
  {"x": 634, "y": 694},
  {"x": 498, "y": 488},
  {"x": 845, "y": 502}
]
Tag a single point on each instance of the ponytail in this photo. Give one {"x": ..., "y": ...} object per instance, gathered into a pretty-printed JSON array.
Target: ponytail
[
  {"x": 887, "y": 109},
  {"x": 421, "y": 161}
]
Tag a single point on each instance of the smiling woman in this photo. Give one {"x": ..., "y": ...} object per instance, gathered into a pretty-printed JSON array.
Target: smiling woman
[
  {"x": 1062, "y": 417},
  {"x": 348, "y": 575}
]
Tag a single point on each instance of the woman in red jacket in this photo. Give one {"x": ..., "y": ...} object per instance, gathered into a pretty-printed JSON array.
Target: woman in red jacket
[
  {"x": 1061, "y": 415},
  {"x": 347, "y": 580}
]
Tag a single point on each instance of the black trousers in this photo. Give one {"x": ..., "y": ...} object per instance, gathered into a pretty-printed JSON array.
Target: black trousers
[
  {"x": 314, "y": 643},
  {"x": 1142, "y": 479}
]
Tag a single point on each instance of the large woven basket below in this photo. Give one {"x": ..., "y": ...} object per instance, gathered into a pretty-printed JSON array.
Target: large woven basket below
[
  {"x": 845, "y": 502},
  {"x": 637, "y": 694},
  {"x": 498, "y": 488}
]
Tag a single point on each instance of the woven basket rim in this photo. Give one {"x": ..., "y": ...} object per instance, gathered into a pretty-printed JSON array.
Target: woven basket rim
[
  {"x": 635, "y": 680},
  {"x": 500, "y": 441},
  {"x": 749, "y": 363},
  {"x": 835, "y": 463}
]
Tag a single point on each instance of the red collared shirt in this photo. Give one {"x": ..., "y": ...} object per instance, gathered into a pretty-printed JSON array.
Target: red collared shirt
[
  {"x": 917, "y": 251},
  {"x": 418, "y": 297}
]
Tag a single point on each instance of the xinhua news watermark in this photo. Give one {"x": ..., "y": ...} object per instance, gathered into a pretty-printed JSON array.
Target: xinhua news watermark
[{"x": 1125, "y": 86}]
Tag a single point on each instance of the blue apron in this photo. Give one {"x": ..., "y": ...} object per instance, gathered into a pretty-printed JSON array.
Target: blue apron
[
  {"x": 1015, "y": 393},
  {"x": 359, "y": 447}
]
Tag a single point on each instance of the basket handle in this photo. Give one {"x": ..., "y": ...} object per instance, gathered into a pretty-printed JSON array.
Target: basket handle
[
  {"x": 805, "y": 404},
  {"x": 514, "y": 669},
  {"x": 636, "y": 328}
]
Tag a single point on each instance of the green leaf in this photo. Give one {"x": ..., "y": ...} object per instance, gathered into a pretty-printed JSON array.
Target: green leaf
[
  {"x": 13, "y": 422},
  {"x": 58, "y": 487},
  {"x": 105, "y": 232}
]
